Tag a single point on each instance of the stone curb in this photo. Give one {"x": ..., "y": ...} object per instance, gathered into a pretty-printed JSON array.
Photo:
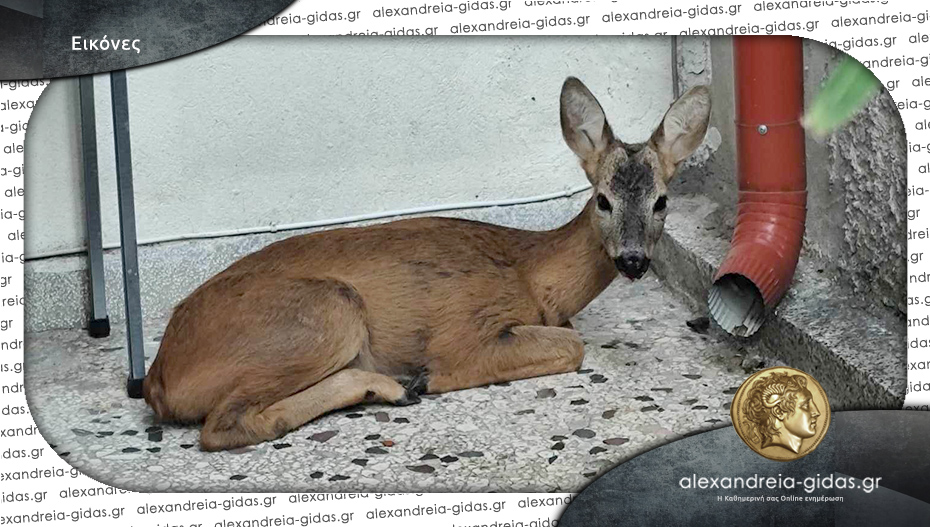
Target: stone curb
[{"x": 857, "y": 354}]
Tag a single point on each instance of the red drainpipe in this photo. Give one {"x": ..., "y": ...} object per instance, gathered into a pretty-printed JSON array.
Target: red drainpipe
[{"x": 772, "y": 205}]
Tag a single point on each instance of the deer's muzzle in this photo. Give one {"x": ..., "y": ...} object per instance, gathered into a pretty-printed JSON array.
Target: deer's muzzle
[{"x": 632, "y": 264}]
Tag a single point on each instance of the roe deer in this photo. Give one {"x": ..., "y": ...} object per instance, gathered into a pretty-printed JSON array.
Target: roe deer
[{"x": 318, "y": 322}]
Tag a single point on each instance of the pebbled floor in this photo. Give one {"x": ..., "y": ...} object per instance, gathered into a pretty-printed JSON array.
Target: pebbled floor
[{"x": 648, "y": 378}]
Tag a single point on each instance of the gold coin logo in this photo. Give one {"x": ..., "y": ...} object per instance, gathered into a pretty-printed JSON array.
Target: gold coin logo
[{"x": 781, "y": 413}]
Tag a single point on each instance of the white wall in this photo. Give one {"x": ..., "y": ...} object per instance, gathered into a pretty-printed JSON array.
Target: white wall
[{"x": 277, "y": 130}]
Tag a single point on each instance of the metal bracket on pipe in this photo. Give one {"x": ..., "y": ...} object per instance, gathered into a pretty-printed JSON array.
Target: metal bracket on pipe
[
  {"x": 99, "y": 324},
  {"x": 127, "y": 228}
]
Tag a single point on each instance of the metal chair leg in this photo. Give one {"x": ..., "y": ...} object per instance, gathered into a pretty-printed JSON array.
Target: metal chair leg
[
  {"x": 99, "y": 325},
  {"x": 127, "y": 227}
]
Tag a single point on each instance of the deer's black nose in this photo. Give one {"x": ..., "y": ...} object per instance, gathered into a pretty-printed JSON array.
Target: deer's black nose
[{"x": 633, "y": 264}]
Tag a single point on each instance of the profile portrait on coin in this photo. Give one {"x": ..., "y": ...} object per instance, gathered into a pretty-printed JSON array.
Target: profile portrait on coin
[{"x": 779, "y": 410}]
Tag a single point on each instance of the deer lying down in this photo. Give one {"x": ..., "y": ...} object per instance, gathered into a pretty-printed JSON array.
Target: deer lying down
[{"x": 385, "y": 313}]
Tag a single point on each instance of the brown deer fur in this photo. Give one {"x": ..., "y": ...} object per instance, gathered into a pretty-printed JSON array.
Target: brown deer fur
[{"x": 318, "y": 322}]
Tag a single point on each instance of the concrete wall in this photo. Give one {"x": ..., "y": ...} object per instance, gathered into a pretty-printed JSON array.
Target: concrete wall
[
  {"x": 856, "y": 183},
  {"x": 261, "y": 132},
  {"x": 865, "y": 194},
  {"x": 270, "y": 131}
]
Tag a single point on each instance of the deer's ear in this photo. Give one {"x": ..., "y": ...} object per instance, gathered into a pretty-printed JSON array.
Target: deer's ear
[
  {"x": 584, "y": 125},
  {"x": 684, "y": 125}
]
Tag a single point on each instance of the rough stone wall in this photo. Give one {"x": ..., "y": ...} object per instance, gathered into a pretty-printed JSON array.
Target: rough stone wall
[
  {"x": 868, "y": 161},
  {"x": 694, "y": 62},
  {"x": 694, "y": 68}
]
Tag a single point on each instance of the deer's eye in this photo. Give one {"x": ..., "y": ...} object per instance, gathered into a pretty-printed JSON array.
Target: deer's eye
[
  {"x": 603, "y": 204},
  {"x": 660, "y": 205}
]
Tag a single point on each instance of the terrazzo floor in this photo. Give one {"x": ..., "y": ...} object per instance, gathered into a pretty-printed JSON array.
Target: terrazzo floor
[{"x": 649, "y": 377}]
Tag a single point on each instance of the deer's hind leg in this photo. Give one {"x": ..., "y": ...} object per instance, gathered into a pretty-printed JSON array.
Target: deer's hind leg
[
  {"x": 237, "y": 423},
  {"x": 520, "y": 352},
  {"x": 294, "y": 359}
]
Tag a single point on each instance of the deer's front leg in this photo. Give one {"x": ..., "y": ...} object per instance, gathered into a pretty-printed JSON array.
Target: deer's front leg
[{"x": 520, "y": 353}]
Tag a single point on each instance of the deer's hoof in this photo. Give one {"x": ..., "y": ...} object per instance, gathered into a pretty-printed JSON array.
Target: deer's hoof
[
  {"x": 418, "y": 385},
  {"x": 408, "y": 399},
  {"x": 414, "y": 388}
]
